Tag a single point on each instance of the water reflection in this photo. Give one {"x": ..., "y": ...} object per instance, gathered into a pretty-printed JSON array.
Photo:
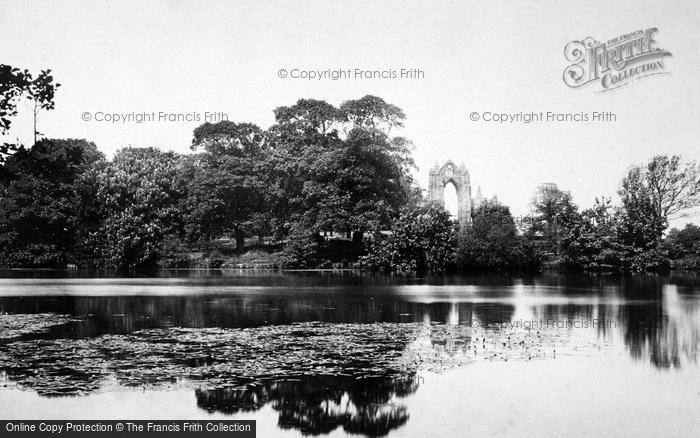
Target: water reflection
[
  {"x": 320, "y": 404},
  {"x": 652, "y": 319},
  {"x": 660, "y": 324},
  {"x": 319, "y": 376},
  {"x": 665, "y": 331}
]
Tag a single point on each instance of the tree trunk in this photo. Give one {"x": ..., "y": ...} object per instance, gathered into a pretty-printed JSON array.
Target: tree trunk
[
  {"x": 240, "y": 240},
  {"x": 357, "y": 239}
]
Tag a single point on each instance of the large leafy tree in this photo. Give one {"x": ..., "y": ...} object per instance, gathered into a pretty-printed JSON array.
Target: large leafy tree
[
  {"x": 670, "y": 186},
  {"x": 592, "y": 239},
  {"x": 227, "y": 138},
  {"x": 138, "y": 196},
  {"x": 226, "y": 192},
  {"x": 651, "y": 194},
  {"x": 684, "y": 243},
  {"x": 375, "y": 179},
  {"x": 359, "y": 186},
  {"x": 372, "y": 114},
  {"x": 338, "y": 169},
  {"x": 420, "y": 239},
  {"x": 553, "y": 211},
  {"x": 309, "y": 116},
  {"x": 41, "y": 215},
  {"x": 491, "y": 242},
  {"x": 296, "y": 165}
]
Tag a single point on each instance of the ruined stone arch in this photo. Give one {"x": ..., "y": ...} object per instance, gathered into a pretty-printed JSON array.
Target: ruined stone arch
[{"x": 448, "y": 173}]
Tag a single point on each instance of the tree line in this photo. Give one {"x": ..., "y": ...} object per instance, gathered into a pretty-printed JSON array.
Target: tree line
[
  {"x": 557, "y": 234},
  {"x": 318, "y": 169}
]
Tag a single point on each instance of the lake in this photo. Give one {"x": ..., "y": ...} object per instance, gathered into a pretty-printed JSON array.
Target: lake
[{"x": 337, "y": 354}]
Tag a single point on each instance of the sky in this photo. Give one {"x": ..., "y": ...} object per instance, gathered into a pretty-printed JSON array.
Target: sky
[{"x": 192, "y": 57}]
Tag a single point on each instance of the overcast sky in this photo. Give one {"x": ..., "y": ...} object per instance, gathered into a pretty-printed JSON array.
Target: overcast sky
[{"x": 507, "y": 56}]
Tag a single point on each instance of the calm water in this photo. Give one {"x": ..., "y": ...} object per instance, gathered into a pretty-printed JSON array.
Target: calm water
[{"x": 315, "y": 353}]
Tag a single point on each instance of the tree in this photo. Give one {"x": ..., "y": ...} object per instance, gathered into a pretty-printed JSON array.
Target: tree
[
  {"x": 15, "y": 83},
  {"x": 301, "y": 250},
  {"x": 421, "y": 239},
  {"x": 372, "y": 114},
  {"x": 360, "y": 186},
  {"x": 354, "y": 184},
  {"x": 684, "y": 243},
  {"x": 491, "y": 241},
  {"x": 606, "y": 238},
  {"x": 553, "y": 210},
  {"x": 654, "y": 193},
  {"x": 223, "y": 198},
  {"x": 227, "y": 138},
  {"x": 299, "y": 146},
  {"x": 139, "y": 195},
  {"x": 309, "y": 115},
  {"x": 375, "y": 168},
  {"x": 592, "y": 240},
  {"x": 41, "y": 91},
  {"x": 41, "y": 216},
  {"x": 672, "y": 186},
  {"x": 226, "y": 189}
]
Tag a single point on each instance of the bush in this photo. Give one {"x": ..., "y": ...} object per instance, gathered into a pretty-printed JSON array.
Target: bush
[
  {"x": 300, "y": 252},
  {"x": 420, "y": 239},
  {"x": 683, "y": 244},
  {"x": 491, "y": 243}
]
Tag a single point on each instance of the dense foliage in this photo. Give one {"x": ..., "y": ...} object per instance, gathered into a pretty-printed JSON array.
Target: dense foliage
[
  {"x": 492, "y": 242},
  {"x": 41, "y": 203},
  {"x": 325, "y": 185},
  {"x": 137, "y": 196},
  {"x": 317, "y": 169},
  {"x": 683, "y": 247},
  {"x": 421, "y": 238},
  {"x": 15, "y": 85}
]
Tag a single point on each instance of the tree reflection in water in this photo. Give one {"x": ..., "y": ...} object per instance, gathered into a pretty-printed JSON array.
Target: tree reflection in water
[
  {"x": 320, "y": 404},
  {"x": 325, "y": 353},
  {"x": 665, "y": 331}
]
